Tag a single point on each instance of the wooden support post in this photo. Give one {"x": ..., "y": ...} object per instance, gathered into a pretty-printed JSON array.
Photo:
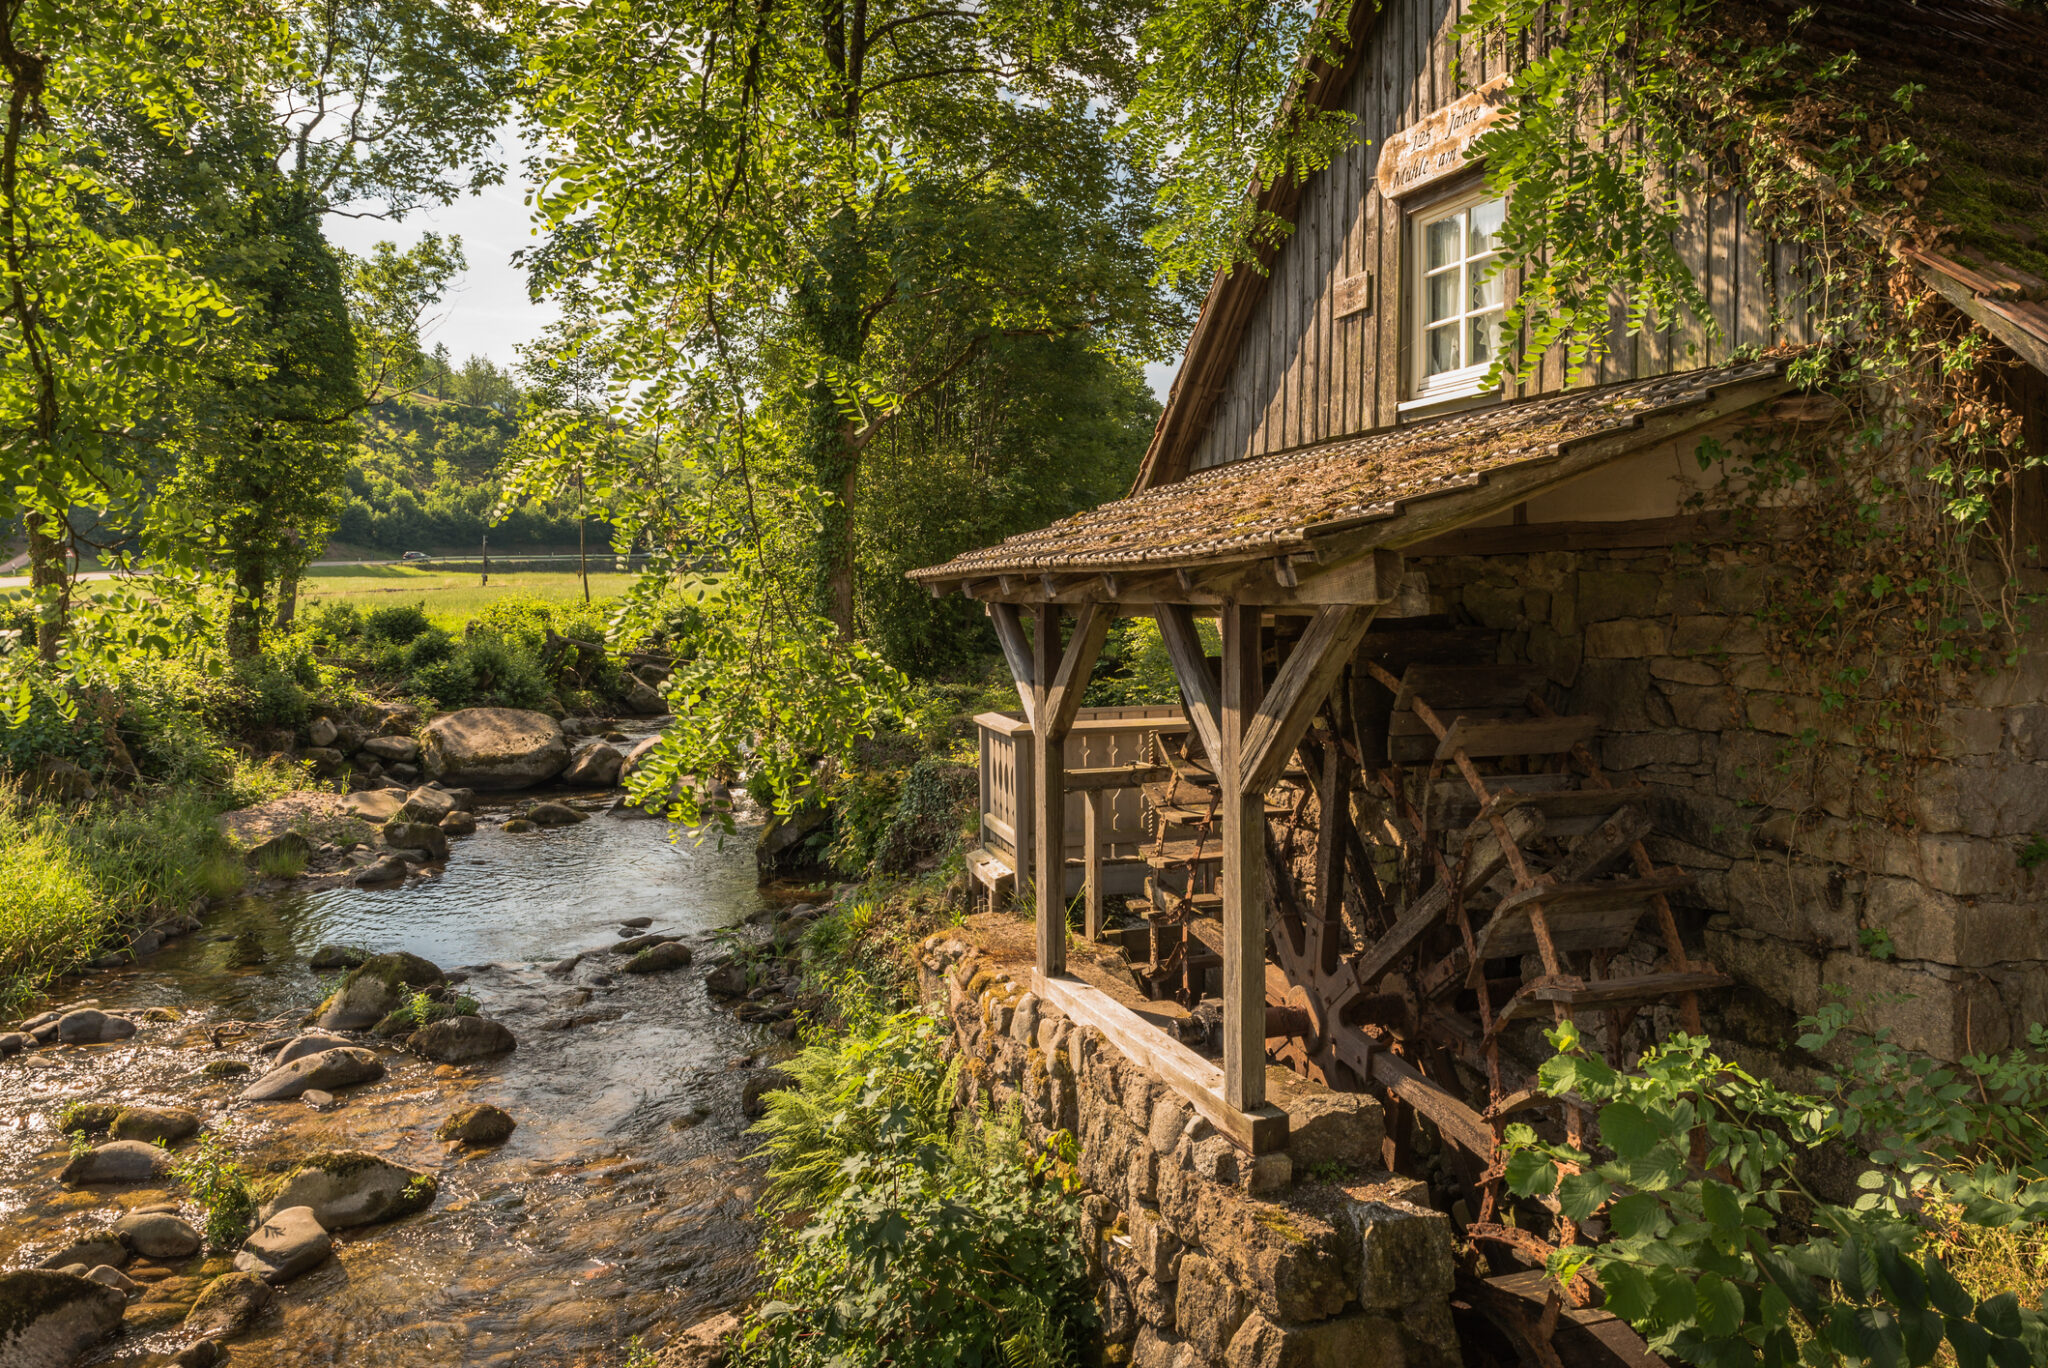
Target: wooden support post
[
  {"x": 1191, "y": 670},
  {"x": 1244, "y": 867},
  {"x": 1024, "y": 805},
  {"x": 1048, "y": 796},
  {"x": 1091, "y": 856},
  {"x": 1017, "y": 651}
]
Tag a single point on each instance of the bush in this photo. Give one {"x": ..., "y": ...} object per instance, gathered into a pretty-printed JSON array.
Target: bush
[
  {"x": 505, "y": 674},
  {"x": 919, "y": 1243},
  {"x": 929, "y": 817},
  {"x": 333, "y": 622},
  {"x": 449, "y": 683},
  {"x": 213, "y": 1177},
  {"x": 399, "y": 622},
  {"x": 428, "y": 648}
]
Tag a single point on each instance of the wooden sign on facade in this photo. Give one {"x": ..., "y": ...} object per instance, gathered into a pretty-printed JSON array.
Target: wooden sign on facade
[
  {"x": 1424, "y": 153},
  {"x": 1353, "y": 295}
]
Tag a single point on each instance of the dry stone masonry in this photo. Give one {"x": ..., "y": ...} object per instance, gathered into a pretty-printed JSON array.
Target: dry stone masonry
[{"x": 1203, "y": 1255}]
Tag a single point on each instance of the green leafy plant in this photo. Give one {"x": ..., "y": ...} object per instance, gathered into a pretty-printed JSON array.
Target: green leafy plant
[
  {"x": 1877, "y": 943},
  {"x": 1718, "y": 1251},
  {"x": 2034, "y": 853},
  {"x": 210, "y": 1172}
]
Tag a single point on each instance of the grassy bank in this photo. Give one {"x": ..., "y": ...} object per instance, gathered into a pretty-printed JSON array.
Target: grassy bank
[{"x": 452, "y": 598}]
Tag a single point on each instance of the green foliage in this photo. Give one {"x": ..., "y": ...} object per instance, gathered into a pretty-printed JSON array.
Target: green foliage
[
  {"x": 1134, "y": 670},
  {"x": 1727, "y": 1258},
  {"x": 398, "y": 622},
  {"x": 77, "y": 878},
  {"x": 917, "y": 1244},
  {"x": 212, "y": 1175},
  {"x": 2034, "y": 853}
]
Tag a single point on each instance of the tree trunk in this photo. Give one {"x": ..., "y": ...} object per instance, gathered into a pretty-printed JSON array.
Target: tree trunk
[
  {"x": 833, "y": 306},
  {"x": 245, "y": 611},
  {"x": 50, "y": 576}
]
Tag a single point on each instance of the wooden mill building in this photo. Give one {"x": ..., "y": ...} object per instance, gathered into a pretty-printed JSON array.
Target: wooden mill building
[{"x": 1498, "y": 731}]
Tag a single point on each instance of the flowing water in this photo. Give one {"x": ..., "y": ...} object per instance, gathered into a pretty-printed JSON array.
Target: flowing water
[{"x": 620, "y": 1205}]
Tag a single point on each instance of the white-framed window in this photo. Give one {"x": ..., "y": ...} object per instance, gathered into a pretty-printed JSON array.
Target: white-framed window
[{"x": 1455, "y": 332}]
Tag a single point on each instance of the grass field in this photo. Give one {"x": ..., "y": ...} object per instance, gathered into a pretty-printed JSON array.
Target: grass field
[{"x": 452, "y": 597}]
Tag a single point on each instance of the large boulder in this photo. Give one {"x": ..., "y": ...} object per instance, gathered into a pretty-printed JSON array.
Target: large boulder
[
  {"x": 373, "y": 805},
  {"x": 228, "y": 1304},
  {"x": 373, "y": 990},
  {"x": 309, "y": 1043},
  {"x": 123, "y": 1161},
  {"x": 460, "y": 1039},
  {"x": 635, "y": 755},
  {"x": 656, "y": 959},
  {"x": 326, "y": 1071},
  {"x": 597, "y": 765},
  {"x": 481, "y": 1124},
  {"x": 284, "y": 1245},
  {"x": 427, "y": 836},
  {"x": 89, "y": 1027},
  {"x": 643, "y": 698},
  {"x": 98, "y": 1247},
  {"x": 494, "y": 748},
  {"x": 393, "y": 749},
  {"x": 555, "y": 815},
  {"x": 350, "y": 1188},
  {"x": 49, "y": 1319},
  {"x": 425, "y": 805}
]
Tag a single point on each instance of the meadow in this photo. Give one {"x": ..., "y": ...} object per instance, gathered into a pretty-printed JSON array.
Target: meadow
[{"x": 450, "y": 597}]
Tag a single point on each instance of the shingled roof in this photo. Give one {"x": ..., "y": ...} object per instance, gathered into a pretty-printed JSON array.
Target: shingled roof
[{"x": 1363, "y": 491}]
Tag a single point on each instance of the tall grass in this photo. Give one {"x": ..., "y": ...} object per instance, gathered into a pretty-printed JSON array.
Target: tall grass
[{"x": 73, "y": 882}]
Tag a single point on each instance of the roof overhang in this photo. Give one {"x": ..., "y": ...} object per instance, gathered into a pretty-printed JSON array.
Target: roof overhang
[
  {"x": 1324, "y": 524},
  {"x": 2009, "y": 304}
]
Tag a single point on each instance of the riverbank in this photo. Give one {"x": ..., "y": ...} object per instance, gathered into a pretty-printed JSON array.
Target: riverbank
[{"x": 619, "y": 1207}]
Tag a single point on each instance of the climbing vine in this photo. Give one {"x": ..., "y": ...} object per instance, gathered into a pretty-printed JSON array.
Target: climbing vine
[{"x": 1906, "y": 453}]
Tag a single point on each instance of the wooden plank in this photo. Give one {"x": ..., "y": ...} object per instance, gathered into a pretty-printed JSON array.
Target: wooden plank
[
  {"x": 1586, "y": 916},
  {"x": 1457, "y": 1122},
  {"x": 1097, "y": 778},
  {"x": 1487, "y": 859},
  {"x": 1063, "y": 695},
  {"x": 1637, "y": 988},
  {"x": 1259, "y": 1130},
  {"x": 1024, "y": 838},
  {"x": 1446, "y": 688},
  {"x": 1298, "y": 693},
  {"x": 1244, "y": 866},
  {"x": 1191, "y": 671},
  {"x": 1048, "y": 800},
  {"x": 1482, "y": 737},
  {"x": 1017, "y": 651},
  {"x": 1727, "y": 284},
  {"x": 1091, "y": 864}
]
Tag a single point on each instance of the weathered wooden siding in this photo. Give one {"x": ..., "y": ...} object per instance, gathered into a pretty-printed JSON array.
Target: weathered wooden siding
[{"x": 1304, "y": 375}]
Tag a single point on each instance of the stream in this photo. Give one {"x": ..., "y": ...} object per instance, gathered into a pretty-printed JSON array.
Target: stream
[{"x": 621, "y": 1205}]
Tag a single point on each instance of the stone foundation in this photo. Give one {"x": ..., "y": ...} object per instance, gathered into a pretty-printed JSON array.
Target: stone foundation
[
  {"x": 1203, "y": 1255},
  {"x": 1804, "y": 849}
]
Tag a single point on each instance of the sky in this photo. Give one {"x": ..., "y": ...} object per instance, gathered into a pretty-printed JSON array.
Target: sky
[{"x": 489, "y": 313}]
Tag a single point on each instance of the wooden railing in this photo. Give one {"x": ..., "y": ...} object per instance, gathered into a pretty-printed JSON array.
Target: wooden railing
[{"x": 1107, "y": 756}]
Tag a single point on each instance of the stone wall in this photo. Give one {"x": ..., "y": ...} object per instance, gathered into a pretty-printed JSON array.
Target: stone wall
[
  {"x": 1312, "y": 1258},
  {"x": 1804, "y": 846}
]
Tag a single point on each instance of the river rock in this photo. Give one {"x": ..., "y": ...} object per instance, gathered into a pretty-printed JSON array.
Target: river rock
[
  {"x": 704, "y": 1345},
  {"x": 402, "y": 835},
  {"x": 350, "y": 1188},
  {"x": 224, "y": 1068},
  {"x": 373, "y": 990},
  {"x": 643, "y": 698},
  {"x": 88, "y": 1118},
  {"x": 337, "y": 957},
  {"x": 636, "y": 923},
  {"x": 425, "y": 804},
  {"x": 494, "y": 748},
  {"x": 310, "y": 1043},
  {"x": 106, "y": 1275},
  {"x": 284, "y": 1245},
  {"x": 656, "y": 959},
  {"x": 89, "y": 1027},
  {"x": 321, "y": 731},
  {"x": 389, "y": 870},
  {"x": 120, "y": 1161},
  {"x": 202, "y": 1353},
  {"x": 158, "y": 1235},
  {"x": 328, "y": 1070},
  {"x": 635, "y": 755},
  {"x": 373, "y": 805},
  {"x": 319, "y": 1100},
  {"x": 478, "y": 1125},
  {"x": 168, "y": 1124},
  {"x": 49, "y": 1319},
  {"x": 562, "y": 968},
  {"x": 458, "y": 824},
  {"x": 759, "y": 1084},
  {"x": 99, "y": 1247},
  {"x": 13, "y": 1043},
  {"x": 633, "y": 945},
  {"x": 228, "y": 1304},
  {"x": 597, "y": 764},
  {"x": 393, "y": 750},
  {"x": 460, "y": 1039},
  {"x": 519, "y": 824},
  {"x": 555, "y": 815},
  {"x": 325, "y": 760}
]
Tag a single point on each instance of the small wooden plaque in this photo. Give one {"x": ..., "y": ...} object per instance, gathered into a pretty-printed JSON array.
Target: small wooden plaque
[
  {"x": 1421, "y": 155},
  {"x": 1354, "y": 295}
]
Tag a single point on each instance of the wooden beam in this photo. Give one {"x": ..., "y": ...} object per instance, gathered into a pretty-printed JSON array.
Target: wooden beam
[
  {"x": 1017, "y": 651},
  {"x": 1243, "y": 810},
  {"x": 1456, "y": 1121},
  {"x": 1309, "y": 578},
  {"x": 1070, "y": 679},
  {"x": 1049, "y": 797},
  {"x": 1298, "y": 693},
  {"x": 1116, "y": 777},
  {"x": 1259, "y": 1130},
  {"x": 1191, "y": 670},
  {"x": 1091, "y": 864}
]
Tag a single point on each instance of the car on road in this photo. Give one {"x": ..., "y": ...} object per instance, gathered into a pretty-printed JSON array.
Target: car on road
[{"x": 413, "y": 556}]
